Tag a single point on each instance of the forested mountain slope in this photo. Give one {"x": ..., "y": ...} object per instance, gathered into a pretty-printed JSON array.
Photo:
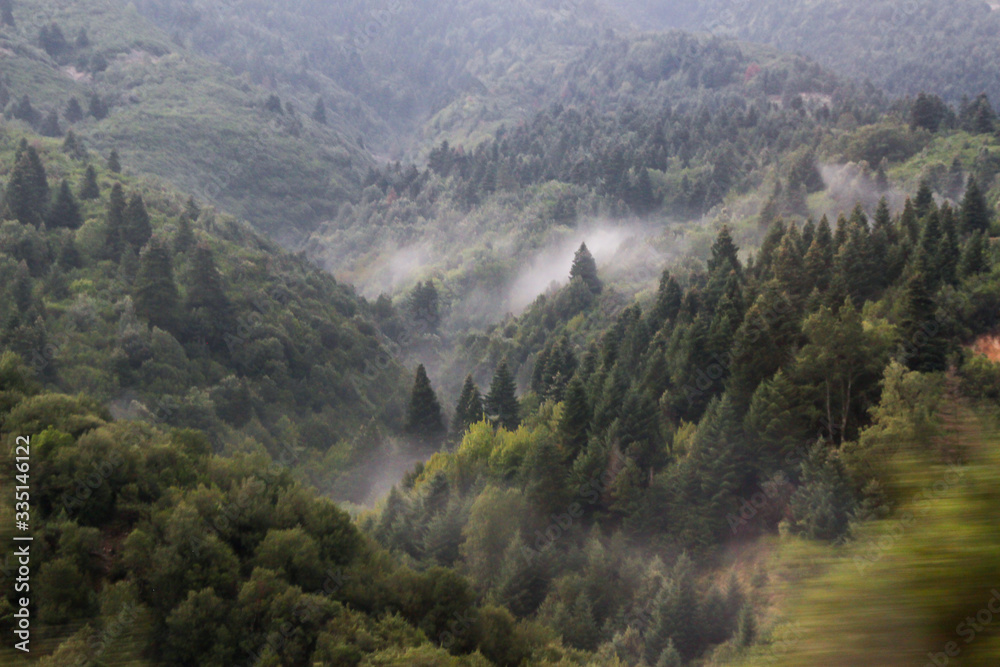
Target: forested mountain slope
[
  {"x": 948, "y": 48},
  {"x": 121, "y": 83},
  {"x": 122, "y": 288}
]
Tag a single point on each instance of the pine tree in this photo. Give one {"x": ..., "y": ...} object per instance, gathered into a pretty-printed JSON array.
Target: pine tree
[
  {"x": 909, "y": 223},
  {"x": 469, "y": 409},
  {"x": 89, "y": 188},
  {"x": 585, "y": 268},
  {"x": 65, "y": 211},
  {"x": 69, "y": 256},
  {"x": 73, "y": 147},
  {"x": 746, "y": 631},
  {"x": 928, "y": 255},
  {"x": 116, "y": 223},
  {"x": 99, "y": 110},
  {"x": 574, "y": 426},
  {"x": 210, "y": 309},
  {"x": 924, "y": 202},
  {"x": 788, "y": 267},
  {"x": 184, "y": 238},
  {"x": 50, "y": 126},
  {"x": 501, "y": 401},
  {"x": 424, "y": 307},
  {"x": 974, "y": 257},
  {"x": 975, "y": 210},
  {"x": 818, "y": 263},
  {"x": 52, "y": 40},
  {"x": 114, "y": 163},
  {"x": 27, "y": 195},
  {"x": 924, "y": 348},
  {"x": 668, "y": 302},
  {"x": 191, "y": 209},
  {"x": 24, "y": 110},
  {"x": 423, "y": 416},
  {"x": 205, "y": 288},
  {"x": 949, "y": 254},
  {"x": 154, "y": 292},
  {"x": 319, "y": 113},
  {"x": 670, "y": 657},
  {"x": 137, "y": 230}
]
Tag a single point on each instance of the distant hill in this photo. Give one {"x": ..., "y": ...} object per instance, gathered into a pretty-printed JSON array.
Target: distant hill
[
  {"x": 173, "y": 113},
  {"x": 947, "y": 48}
]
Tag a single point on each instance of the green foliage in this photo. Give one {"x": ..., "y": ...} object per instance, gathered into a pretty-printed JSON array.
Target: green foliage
[
  {"x": 501, "y": 401},
  {"x": 423, "y": 416}
]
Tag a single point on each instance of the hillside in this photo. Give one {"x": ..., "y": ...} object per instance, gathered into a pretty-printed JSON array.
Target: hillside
[
  {"x": 218, "y": 329},
  {"x": 884, "y": 42},
  {"x": 387, "y": 334},
  {"x": 169, "y": 112}
]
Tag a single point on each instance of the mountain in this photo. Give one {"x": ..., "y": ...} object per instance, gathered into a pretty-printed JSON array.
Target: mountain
[
  {"x": 388, "y": 334},
  {"x": 884, "y": 42},
  {"x": 170, "y": 112},
  {"x": 171, "y": 314}
]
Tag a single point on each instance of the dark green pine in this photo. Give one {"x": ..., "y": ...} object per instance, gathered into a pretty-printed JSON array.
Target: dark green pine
[
  {"x": 154, "y": 292},
  {"x": 469, "y": 409},
  {"x": 423, "y": 415},
  {"x": 501, "y": 401}
]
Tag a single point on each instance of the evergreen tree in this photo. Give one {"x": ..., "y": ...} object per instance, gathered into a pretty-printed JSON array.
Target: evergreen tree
[
  {"x": 114, "y": 163},
  {"x": 50, "y": 126},
  {"x": 191, "y": 209},
  {"x": 928, "y": 112},
  {"x": 574, "y": 426},
  {"x": 52, "y": 40},
  {"x": 424, "y": 308},
  {"x": 746, "y": 631},
  {"x": 65, "y": 211},
  {"x": 975, "y": 210},
  {"x": 82, "y": 39},
  {"x": 501, "y": 401},
  {"x": 818, "y": 263},
  {"x": 768, "y": 247},
  {"x": 154, "y": 292},
  {"x": 205, "y": 288},
  {"x": 423, "y": 416},
  {"x": 670, "y": 657},
  {"x": 725, "y": 255},
  {"x": 116, "y": 222},
  {"x": 27, "y": 195},
  {"x": 469, "y": 409},
  {"x": 24, "y": 110},
  {"x": 788, "y": 267},
  {"x": 184, "y": 238},
  {"x": 668, "y": 302},
  {"x": 585, "y": 268},
  {"x": 69, "y": 256},
  {"x": 909, "y": 223},
  {"x": 73, "y": 147},
  {"x": 89, "y": 188},
  {"x": 924, "y": 347},
  {"x": 319, "y": 113},
  {"x": 137, "y": 230},
  {"x": 949, "y": 255},
  {"x": 924, "y": 202},
  {"x": 974, "y": 257},
  {"x": 928, "y": 255},
  {"x": 99, "y": 110}
]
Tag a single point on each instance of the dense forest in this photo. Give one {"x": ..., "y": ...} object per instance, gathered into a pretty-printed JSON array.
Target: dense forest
[
  {"x": 883, "y": 41},
  {"x": 382, "y": 334}
]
